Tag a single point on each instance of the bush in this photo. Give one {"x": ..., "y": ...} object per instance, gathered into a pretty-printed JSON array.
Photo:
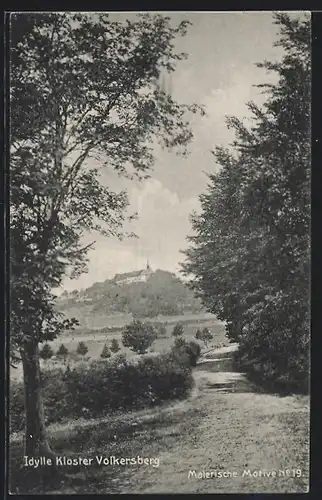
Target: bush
[
  {"x": 280, "y": 356},
  {"x": 198, "y": 334},
  {"x": 112, "y": 386},
  {"x": 114, "y": 346},
  {"x": 162, "y": 331},
  {"x": 62, "y": 351},
  {"x": 205, "y": 335},
  {"x": 46, "y": 352},
  {"x": 179, "y": 342},
  {"x": 105, "y": 352},
  {"x": 120, "y": 359},
  {"x": 194, "y": 352},
  {"x": 177, "y": 330},
  {"x": 138, "y": 336},
  {"x": 186, "y": 353},
  {"x": 164, "y": 378},
  {"x": 82, "y": 349},
  {"x": 57, "y": 399},
  {"x": 105, "y": 386}
]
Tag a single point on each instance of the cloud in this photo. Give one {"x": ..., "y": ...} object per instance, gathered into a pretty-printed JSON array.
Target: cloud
[
  {"x": 231, "y": 101},
  {"x": 162, "y": 225}
]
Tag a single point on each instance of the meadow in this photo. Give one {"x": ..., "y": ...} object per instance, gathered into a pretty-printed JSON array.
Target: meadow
[{"x": 95, "y": 339}]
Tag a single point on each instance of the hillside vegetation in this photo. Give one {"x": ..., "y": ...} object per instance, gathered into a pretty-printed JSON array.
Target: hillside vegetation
[
  {"x": 250, "y": 249},
  {"x": 162, "y": 294}
]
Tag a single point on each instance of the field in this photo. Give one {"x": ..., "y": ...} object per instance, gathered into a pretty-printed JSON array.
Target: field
[{"x": 97, "y": 337}]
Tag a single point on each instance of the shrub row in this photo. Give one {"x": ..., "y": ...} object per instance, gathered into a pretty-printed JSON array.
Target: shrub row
[{"x": 94, "y": 389}]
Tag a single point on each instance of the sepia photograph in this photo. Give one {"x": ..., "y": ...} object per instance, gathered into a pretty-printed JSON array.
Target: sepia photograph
[{"x": 159, "y": 252}]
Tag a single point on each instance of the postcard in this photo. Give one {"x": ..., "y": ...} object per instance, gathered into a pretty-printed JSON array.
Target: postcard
[{"x": 159, "y": 202}]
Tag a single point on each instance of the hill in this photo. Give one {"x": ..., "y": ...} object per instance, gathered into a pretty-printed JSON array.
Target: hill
[{"x": 163, "y": 293}]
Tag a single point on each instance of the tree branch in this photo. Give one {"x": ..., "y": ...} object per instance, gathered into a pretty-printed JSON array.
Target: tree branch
[{"x": 81, "y": 250}]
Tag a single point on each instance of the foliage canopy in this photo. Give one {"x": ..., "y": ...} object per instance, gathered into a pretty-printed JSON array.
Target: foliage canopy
[{"x": 250, "y": 250}]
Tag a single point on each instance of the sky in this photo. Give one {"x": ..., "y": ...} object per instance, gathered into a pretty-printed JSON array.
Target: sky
[{"x": 220, "y": 73}]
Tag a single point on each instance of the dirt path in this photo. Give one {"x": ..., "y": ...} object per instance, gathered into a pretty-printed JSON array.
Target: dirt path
[{"x": 239, "y": 431}]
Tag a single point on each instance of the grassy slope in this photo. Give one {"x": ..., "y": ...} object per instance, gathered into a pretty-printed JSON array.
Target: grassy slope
[{"x": 232, "y": 430}]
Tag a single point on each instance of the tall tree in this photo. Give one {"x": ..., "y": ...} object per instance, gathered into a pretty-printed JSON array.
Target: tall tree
[
  {"x": 250, "y": 250},
  {"x": 82, "y": 88}
]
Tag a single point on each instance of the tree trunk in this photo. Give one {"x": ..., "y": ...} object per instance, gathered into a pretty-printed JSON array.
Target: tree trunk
[{"x": 36, "y": 443}]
